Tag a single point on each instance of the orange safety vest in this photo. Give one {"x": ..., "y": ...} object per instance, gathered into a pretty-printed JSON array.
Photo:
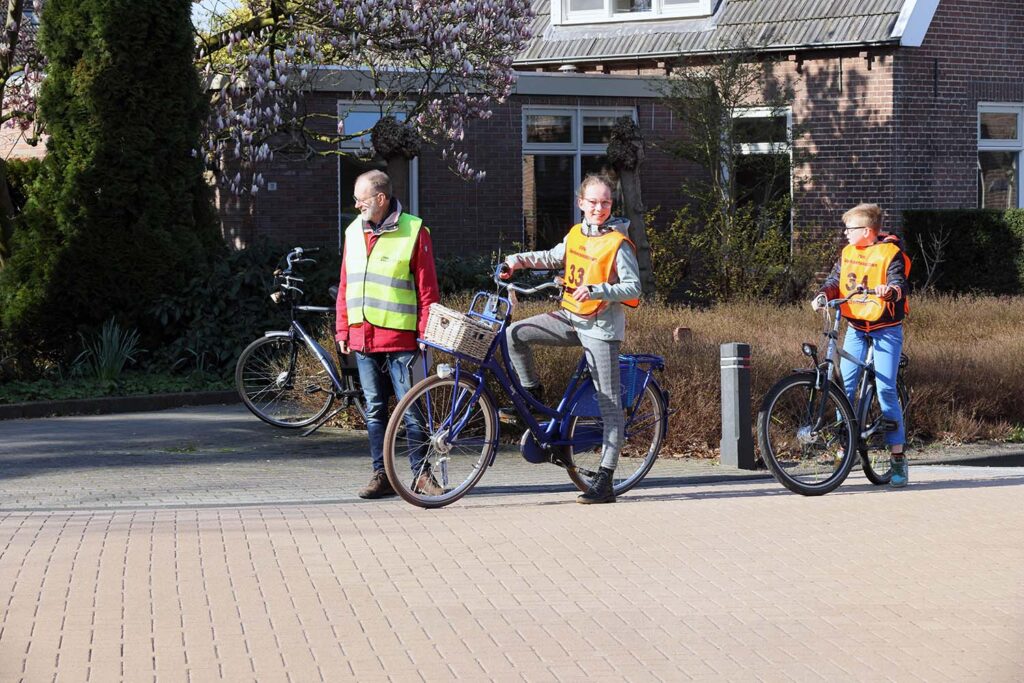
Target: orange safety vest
[
  {"x": 869, "y": 267},
  {"x": 589, "y": 261}
]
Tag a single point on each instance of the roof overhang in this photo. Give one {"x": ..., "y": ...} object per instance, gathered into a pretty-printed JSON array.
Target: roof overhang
[{"x": 913, "y": 22}]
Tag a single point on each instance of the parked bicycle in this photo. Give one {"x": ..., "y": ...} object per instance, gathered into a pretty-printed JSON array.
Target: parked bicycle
[
  {"x": 285, "y": 377},
  {"x": 808, "y": 431},
  {"x": 447, "y": 424}
]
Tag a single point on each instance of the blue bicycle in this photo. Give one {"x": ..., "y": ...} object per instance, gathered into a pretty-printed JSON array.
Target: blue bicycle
[{"x": 447, "y": 425}]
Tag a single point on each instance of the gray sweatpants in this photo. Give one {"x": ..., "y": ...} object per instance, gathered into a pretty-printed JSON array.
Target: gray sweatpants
[{"x": 554, "y": 329}]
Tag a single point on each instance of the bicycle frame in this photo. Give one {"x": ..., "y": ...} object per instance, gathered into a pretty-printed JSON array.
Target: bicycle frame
[
  {"x": 497, "y": 310},
  {"x": 828, "y": 370}
]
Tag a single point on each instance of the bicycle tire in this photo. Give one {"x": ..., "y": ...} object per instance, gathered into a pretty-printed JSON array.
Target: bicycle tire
[
  {"x": 645, "y": 430},
  {"x": 805, "y": 462},
  {"x": 282, "y": 382},
  {"x": 431, "y": 400},
  {"x": 874, "y": 454}
]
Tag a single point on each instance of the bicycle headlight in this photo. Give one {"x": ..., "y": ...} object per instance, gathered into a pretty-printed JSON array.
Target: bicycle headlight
[
  {"x": 277, "y": 297},
  {"x": 810, "y": 350}
]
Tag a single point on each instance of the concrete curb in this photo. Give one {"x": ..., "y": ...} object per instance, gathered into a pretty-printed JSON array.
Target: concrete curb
[{"x": 104, "y": 405}]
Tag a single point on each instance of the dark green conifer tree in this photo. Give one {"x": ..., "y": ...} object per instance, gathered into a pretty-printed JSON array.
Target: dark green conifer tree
[{"x": 120, "y": 213}]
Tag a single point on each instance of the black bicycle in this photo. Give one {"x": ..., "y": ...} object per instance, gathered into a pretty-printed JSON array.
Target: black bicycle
[
  {"x": 285, "y": 377},
  {"x": 810, "y": 434}
]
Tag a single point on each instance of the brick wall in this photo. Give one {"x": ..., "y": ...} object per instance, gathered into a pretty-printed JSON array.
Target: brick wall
[
  {"x": 896, "y": 126},
  {"x": 464, "y": 217},
  {"x": 973, "y": 52}
]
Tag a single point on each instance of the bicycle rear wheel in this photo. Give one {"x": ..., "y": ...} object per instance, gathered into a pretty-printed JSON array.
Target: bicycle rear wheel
[
  {"x": 803, "y": 460},
  {"x": 283, "y": 383},
  {"x": 874, "y": 452},
  {"x": 645, "y": 430},
  {"x": 448, "y": 441}
]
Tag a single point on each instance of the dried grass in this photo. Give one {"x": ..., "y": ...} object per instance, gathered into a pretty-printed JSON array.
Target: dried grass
[{"x": 965, "y": 373}]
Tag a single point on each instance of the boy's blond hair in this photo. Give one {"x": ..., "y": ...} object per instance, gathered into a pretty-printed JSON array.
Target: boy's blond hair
[{"x": 872, "y": 213}]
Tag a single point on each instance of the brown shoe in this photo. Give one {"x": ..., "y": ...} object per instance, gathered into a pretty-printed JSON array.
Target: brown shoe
[
  {"x": 379, "y": 486},
  {"x": 427, "y": 485}
]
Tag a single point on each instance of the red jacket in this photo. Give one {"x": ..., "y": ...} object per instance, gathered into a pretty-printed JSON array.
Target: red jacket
[{"x": 368, "y": 338}]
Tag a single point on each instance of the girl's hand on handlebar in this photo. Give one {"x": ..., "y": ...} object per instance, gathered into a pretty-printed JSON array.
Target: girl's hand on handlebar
[
  {"x": 582, "y": 293},
  {"x": 818, "y": 302},
  {"x": 882, "y": 291},
  {"x": 506, "y": 269}
]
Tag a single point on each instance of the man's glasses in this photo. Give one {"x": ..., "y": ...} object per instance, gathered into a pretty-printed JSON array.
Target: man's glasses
[
  {"x": 594, "y": 203},
  {"x": 365, "y": 200}
]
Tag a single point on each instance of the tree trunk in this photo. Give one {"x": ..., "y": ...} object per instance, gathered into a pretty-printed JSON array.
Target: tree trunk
[
  {"x": 634, "y": 210},
  {"x": 398, "y": 171},
  {"x": 6, "y": 216}
]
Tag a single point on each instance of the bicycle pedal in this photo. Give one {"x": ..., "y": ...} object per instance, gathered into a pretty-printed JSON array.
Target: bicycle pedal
[
  {"x": 508, "y": 418},
  {"x": 887, "y": 425}
]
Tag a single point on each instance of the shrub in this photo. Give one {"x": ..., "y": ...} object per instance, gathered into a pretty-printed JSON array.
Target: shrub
[
  {"x": 105, "y": 355},
  {"x": 465, "y": 273},
  {"x": 966, "y": 250},
  {"x": 712, "y": 256},
  {"x": 120, "y": 212},
  {"x": 208, "y": 322}
]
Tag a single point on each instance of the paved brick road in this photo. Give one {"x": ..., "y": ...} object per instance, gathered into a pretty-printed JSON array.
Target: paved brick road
[{"x": 135, "y": 550}]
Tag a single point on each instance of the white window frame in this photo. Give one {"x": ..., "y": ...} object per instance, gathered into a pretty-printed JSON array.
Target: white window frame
[
  {"x": 561, "y": 14},
  {"x": 1016, "y": 146},
  {"x": 746, "y": 149},
  {"x": 577, "y": 149},
  {"x": 348, "y": 106}
]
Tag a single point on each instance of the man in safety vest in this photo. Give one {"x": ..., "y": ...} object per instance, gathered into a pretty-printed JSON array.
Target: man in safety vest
[
  {"x": 876, "y": 263},
  {"x": 388, "y": 281},
  {"x": 601, "y": 275}
]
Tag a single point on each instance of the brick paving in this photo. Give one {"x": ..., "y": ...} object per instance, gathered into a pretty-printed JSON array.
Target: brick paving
[{"x": 136, "y": 550}]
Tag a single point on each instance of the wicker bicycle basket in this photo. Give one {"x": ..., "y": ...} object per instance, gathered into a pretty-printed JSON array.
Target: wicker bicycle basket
[{"x": 458, "y": 332}]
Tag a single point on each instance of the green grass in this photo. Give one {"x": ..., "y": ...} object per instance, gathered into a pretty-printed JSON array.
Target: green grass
[{"x": 128, "y": 384}]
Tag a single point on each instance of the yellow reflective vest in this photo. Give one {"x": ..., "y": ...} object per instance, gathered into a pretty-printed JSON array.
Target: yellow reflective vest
[
  {"x": 589, "y": 261},
  {"x": 380, "y": 288}
]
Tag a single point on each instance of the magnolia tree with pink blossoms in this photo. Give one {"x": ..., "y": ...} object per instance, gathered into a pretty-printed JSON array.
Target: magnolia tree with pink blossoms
[
  {"x": 20, "y": 74},
  {"x": 432, "y": 65}
]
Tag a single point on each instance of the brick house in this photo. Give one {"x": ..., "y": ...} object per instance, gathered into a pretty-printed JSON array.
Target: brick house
[{"x": 910, "y": 103}]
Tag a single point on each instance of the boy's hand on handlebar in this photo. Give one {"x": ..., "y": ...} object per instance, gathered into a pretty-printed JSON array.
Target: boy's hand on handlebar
[
  {"x": 818, "y": 302},
  {"x": 882, "y": 291}
]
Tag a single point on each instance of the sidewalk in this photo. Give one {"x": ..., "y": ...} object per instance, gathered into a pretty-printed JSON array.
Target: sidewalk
[{"x": 201, "y": 545}]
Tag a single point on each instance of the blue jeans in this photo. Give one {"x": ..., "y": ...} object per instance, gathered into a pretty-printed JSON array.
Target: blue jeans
[
  {"x": 379, "y": 373},
  {"x": 888, "y": 343}
]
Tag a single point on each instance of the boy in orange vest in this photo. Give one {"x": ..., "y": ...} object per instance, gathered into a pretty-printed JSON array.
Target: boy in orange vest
[
  {"x": 876, "y": 262},
  {"x": 601, "y": 274}
]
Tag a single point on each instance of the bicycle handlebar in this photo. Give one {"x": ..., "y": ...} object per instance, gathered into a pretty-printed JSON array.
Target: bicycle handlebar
[
  {"x": 295, "y": 257},
  {"x": 860, "y": 290},
  {"x": 502, "y": 268}
]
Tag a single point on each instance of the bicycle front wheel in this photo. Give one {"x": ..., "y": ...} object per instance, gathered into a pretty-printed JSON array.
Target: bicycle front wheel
[
  {"x": 439, "y": 441},
  {"x": 645, "y": 430},
  {"x": 874, "y": 452},
  {"x": 283, "y": 383},
  {"x": 802, "y": 458}
]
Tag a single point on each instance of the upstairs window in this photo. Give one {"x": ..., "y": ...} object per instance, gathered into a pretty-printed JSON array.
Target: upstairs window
[{"x": 601, "y": 11}]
